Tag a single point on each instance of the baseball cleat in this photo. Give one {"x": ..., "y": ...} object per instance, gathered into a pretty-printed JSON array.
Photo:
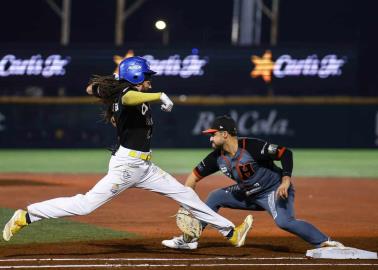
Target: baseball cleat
[
  {"x": 241, "y": 231},
  {"x": 179, "y": 243},
  {"x": 15, "y": 224},
  {"x": 330, "y": 243}
]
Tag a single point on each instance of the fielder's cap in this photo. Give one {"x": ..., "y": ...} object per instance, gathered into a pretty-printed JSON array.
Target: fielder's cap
[{"x": 222, "y": 123}]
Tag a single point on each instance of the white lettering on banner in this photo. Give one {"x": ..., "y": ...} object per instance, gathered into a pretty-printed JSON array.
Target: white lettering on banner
[
  {"x": 53, "y": 65},
  {"x": 249, "y": 123},
  {"x": 330, "y": 65},
  {"x": 2, "y": 119},
  {"x": 252, "y": 123},
  {"x": 191, "y": 65},
  {"x": 204, "y": 121}
]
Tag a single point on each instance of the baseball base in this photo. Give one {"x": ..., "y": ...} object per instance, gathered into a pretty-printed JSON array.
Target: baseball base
[{"x": 340, "y": 253}]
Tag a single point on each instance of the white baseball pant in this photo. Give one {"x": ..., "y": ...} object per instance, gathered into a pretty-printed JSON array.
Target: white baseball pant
[{"x": 126, "y": 172}]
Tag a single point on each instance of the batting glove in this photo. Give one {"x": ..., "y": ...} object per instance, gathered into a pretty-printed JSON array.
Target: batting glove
[{"x": 167, "y": 103}]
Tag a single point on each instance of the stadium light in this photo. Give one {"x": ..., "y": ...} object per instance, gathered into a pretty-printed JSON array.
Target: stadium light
[
  {"x": 160, "y": 25},
  {"x": 163, "y": 27}
]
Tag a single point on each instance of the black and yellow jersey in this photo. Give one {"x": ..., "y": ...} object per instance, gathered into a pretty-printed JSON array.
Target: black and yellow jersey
[{"x": 134, "y": 124}]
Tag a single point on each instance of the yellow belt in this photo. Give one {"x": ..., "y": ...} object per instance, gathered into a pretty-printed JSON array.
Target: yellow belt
[{"x": 142, "y": 156}]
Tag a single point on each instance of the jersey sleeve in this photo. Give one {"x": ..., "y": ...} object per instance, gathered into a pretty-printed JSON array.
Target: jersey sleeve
[
  {"x": 207, "y": 166},
  {"x": 133, "y": 98},
  {"x": 263, "y": 150}
]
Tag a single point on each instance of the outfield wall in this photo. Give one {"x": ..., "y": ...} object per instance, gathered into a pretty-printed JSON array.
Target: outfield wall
[{"x": 62, "y": 125}]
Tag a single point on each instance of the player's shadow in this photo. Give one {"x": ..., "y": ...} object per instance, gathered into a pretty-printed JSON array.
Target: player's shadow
[
  {"x": 129, "y": 246},
  {"x": 152, "y": 249},
  {"x": 105, "y": 249},
  {"x": 275, "y": 248},
  {"x": 122, "y": 247}
]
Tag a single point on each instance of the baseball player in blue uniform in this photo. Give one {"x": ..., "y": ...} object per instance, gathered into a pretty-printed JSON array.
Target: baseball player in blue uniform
[
  {"x": 260, "y": 184},
  {"x": 127, "y": 102}
]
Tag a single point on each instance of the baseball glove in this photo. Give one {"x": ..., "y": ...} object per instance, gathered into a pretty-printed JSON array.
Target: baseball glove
[{"x": 189, "y": 225}]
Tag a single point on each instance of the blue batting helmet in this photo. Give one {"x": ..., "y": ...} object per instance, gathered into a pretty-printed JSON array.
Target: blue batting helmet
[{"x": 134, "y": 69}]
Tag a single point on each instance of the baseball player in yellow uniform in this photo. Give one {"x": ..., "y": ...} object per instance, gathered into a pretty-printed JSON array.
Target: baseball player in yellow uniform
[{"x": 128, "y": 109}]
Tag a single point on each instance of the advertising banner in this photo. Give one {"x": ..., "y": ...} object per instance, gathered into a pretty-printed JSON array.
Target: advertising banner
[
  {"x": 314, "y": 126},
  {"x": 186, "y": 71}
]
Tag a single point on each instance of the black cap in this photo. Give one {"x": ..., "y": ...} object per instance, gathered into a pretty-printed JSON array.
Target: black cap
[{"x": 222, "y": 123}]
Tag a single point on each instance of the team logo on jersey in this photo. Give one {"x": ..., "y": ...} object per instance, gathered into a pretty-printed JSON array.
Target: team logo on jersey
[{"x": 246, "y": 171}]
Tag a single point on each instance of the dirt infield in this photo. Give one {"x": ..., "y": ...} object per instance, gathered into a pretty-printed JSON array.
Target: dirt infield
[{"x": 342, "y": 208}]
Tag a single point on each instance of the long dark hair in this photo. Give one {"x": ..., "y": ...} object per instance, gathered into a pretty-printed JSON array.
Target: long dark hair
[{"x": 107, "y": 89}]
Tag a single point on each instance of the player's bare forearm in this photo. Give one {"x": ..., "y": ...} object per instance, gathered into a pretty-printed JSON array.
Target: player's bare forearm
[
  {"x": 282, "y": 190},
  {"x": 286, "y": 180},
  {"x": 191, "y": 180}
]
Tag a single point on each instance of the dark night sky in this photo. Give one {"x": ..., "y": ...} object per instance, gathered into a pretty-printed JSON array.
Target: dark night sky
[{"x": 192, "y": 21}]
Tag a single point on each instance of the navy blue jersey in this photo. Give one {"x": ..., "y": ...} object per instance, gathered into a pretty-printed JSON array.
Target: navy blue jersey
[
  {"x": 252, "y": 167},
  {"x": 134, "y": 124}
]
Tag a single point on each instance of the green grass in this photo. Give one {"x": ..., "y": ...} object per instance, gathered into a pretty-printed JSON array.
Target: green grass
[
  {"x": 307, "y": 162},
  {"x": 58, "y": 230},
  {"x": 336, "y": 163},
  {"x": 53, "y": 160}
]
